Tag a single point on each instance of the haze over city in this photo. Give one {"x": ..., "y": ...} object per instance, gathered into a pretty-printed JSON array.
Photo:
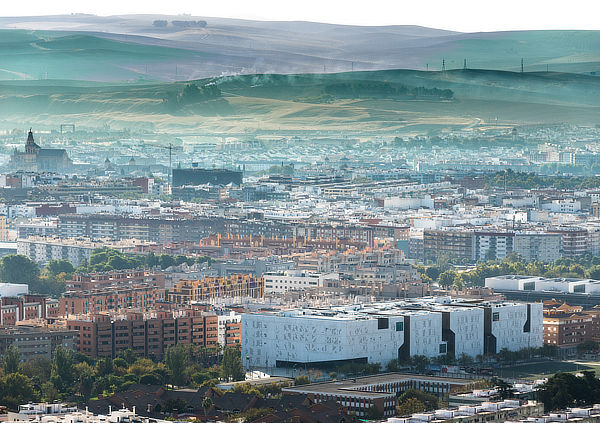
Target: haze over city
[{"x": 310, "y": 212}]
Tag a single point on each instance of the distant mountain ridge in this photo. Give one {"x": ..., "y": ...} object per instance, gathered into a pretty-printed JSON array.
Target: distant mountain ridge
[{"x": 131, "y": 48}]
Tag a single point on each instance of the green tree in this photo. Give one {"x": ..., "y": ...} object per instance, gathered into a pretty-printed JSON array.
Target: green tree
[
  {"x": 16, "y": 389},
  {"x": 420, "y": 363},
  {"x": 567, "y": 390},
  {"x": 56, "y": 267},
  {"x": 207, "y": 403},
  {"x": 86, "y": 376},
  {"x": 11, "y": 359},
  {"x": 409, "y": 407},
  {"x": 16, "y": 268},
  {"x": 49, "y": 392},
  {"x": 429, "y": 401},
  {"x": 37, "y": 369},
  {"x": 447, "y": 278},
  {"x": 176, "y": 360},
  {"x": 62, "y": 374},
  {"x": 231, "y": 366}
]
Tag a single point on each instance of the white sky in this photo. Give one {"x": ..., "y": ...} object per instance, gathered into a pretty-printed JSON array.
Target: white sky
[{"x": 460, "y": 15}]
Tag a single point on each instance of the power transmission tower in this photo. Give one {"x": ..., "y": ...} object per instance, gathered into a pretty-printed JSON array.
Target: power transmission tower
[
  {"x": 521, "y": 65},
  {"x": 465, "y": 65},
  {"x": 443, "y": 65}
]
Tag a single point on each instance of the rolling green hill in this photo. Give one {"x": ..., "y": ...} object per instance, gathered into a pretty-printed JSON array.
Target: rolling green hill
[{"x": 294, "y": 102}]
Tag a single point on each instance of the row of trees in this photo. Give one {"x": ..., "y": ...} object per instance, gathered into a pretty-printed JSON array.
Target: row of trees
[
  {"x": 532, "y": 180},
  {"x": 73, "y": 375},
  {"x": 569, "y": 267},
  {"x": 379, "y": 89},
  {"x": 568, "y": 390},
  {"x": 50, "y": 280}
]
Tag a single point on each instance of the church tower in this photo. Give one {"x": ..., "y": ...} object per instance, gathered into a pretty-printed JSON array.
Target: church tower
[{"x": 30, "y": 146}]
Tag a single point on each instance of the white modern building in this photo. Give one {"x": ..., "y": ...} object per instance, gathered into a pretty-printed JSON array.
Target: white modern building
[
  {"x": 13, "y": 289},
  {"x": 538, "y": 283},
  {"x": 298, "y": 280},
  {"x": 515, "y": 326},
  {"x": 382, "y": 332}
]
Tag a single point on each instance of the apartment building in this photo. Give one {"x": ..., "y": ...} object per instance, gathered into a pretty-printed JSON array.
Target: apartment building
[
  {"x": 539, "y": 246},
  {"x": 492, "y": 245},
  {"x": 457, "y": 244},
  {"x": 43, "y": 249},
  {"x": 566, "y": 327},
  {"x": 98, "y": 280},
  {"x": 209, "y": 288},
  {"x": 36, "y": 341},
  {"x": 28, "y": 307},
  {"x": 138, "y": 297},
  {"x": 150, "y": 334},
  {"x": 574, "y": 241}
]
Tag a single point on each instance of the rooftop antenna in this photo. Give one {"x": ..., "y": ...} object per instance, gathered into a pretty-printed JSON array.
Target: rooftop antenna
[
  {"x": 521, "y": 65},
  {"x": 443, "y": 65}
]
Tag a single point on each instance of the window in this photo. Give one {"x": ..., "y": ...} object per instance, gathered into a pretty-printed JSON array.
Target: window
[
  {"x": 443, "y": 348},
  {"x": 495, "y": 316},
  {"x": 399, "y": 326},
  {"x": 383, "y": 323}
]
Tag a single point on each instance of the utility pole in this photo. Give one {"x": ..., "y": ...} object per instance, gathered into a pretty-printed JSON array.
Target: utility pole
[{"x": 170, "y": 147}]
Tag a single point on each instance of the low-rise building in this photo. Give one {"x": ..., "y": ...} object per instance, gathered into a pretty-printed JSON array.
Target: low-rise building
[
  {"x": 209, "y": 288},
  {"x": 362, "y": 394},
  {"x": 298, "y": 280}
]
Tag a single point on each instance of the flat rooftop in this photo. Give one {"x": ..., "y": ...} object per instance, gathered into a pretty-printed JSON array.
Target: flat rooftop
[{"x": 357, "y": 385}]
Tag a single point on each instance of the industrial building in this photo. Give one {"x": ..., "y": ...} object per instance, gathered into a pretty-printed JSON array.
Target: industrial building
[
  {"x": 382, "y": 332},
  {"x": 196, "y": 176}
]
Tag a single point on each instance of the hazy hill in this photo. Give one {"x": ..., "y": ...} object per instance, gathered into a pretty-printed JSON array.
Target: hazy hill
[
  {"x": 276, "y": 102},
  {"x": 120, "y": 48}
]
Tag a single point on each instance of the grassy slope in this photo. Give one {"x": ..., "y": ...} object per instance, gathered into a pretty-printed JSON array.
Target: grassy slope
[{"x": 267, "y": 102}]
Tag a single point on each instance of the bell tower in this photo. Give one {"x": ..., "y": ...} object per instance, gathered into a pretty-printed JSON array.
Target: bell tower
[{"x": 30, "y": 146}]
